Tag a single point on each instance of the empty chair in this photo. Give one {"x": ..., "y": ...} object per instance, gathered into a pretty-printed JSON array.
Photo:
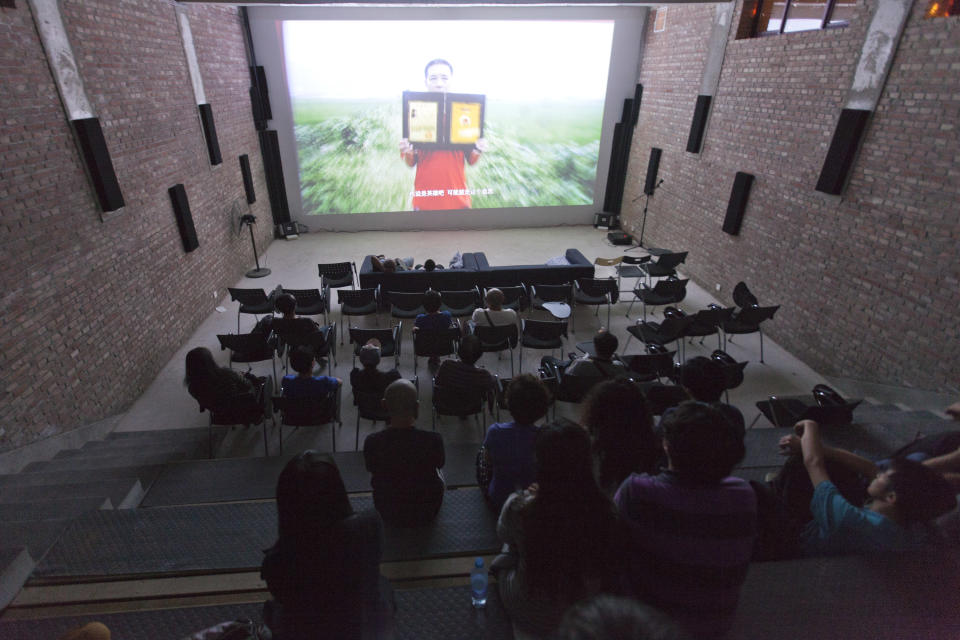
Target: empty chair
[
  {"x": 646, "y": 367},
  {"x": 541, "y": 334},
  {"x": 249, "y": 348},
  {"x": 336, "y": 274},
  {"x": 389, "y": 341},
  {"x": 309, "y": 412},
  {"x": 707, "y": 322},
  {"x": 555, "y": 298},
  {"x": 311, "y": 302},
  {"x": 403, "y": 305},
  {"x": 434, "y": 343},
  {"x": 252, "y": 301},
  {"x": 666, "y": 291},
  {"x": 596, "y": 292},
  {"x": 460, "y": 402},
  {"x": 460, "y": 304},
  {"x": 497, "y": 339},
  {"x": 629, "y": 267},
  {"x": 304, "y": 332},
  {"x": 732, "y": 371},
  {"x": 675, "y": 322},
  {"x": 369, "y": 407},
  {"x": 514, "y": 297},
  {"x": 665, "y": 265},
  {"x": 358, "y": 302},
  {"x": 748, "y": 321}
]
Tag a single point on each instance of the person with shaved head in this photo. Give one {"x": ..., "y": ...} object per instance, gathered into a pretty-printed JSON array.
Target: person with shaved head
[{"x": 405, "y": 462}]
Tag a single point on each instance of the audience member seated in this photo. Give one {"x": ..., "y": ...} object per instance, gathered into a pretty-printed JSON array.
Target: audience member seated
[
  {"x": 433, "y": 319},
  {"x": 564, "y": 536},
  {"x": 370, "y": 379},
  {"x": 814, "y": 498},
  {"x": 305, "y": 385},
  {"x": 703, "y": 379},
  {"x": 494, "y": 314},
  {"x": 464, "y": 374},
  {"x": 211, "y": 384},
  {"x": 286, "y": 305},
  {"x": 608, "y": 617},
  {"x": 601, "y": 365},
  {"x": 692, "y": 526},
  {"x": 89, "y": 631},
  {"x": 507, "y": 451},
  {"x": 391, "y": 265},
  {"x": 615, "y": 413},
  {"x": 405, "y": 462},
  {"x": 324, "y": 570},
  {"x": 430, "y": 265}
]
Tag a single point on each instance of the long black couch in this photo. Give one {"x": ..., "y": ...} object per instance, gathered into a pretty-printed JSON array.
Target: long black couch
[{"x": 477, "y": 271}]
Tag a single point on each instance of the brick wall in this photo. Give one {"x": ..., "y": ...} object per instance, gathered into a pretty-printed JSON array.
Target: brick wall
[
  {"x": 869, "y": 282},
  {"x": 91, "y": 310}
]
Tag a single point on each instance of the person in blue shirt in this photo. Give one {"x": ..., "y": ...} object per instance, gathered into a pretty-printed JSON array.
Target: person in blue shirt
[
  {"x": 899, "y": 496},
  {"x": 305, "y": 384}
]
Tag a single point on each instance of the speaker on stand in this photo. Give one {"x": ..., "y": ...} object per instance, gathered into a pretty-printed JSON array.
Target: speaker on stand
[{"x": 260, "y": 272}]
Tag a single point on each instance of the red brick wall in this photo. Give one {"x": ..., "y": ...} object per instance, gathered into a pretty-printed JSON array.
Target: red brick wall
[
  {"x": 91, "y": 310},
  {"x": 868, "y": 282}
]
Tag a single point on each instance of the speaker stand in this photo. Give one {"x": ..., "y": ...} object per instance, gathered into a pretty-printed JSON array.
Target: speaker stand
[
  {"x": 259, "y": 272},
  {"x": 643, "y": 223}
]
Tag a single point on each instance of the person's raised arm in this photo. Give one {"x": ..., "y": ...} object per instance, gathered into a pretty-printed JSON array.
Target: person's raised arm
[
  {"x": 479, "y": 148},
  {"x": 407, "y": 152},
  {"x": 814, "y": 458},
  {"x": 790, "y": 445}
]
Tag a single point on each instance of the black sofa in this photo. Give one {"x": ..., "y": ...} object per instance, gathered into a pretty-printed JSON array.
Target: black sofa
[{"x": 477, "y": 271}]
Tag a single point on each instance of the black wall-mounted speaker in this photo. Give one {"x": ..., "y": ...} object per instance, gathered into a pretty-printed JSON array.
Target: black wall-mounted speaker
[
  {"x": 653, "y": 166},
  {"x": 96, "y": 156},
  {"x": 637, "y": 96},
  {"x": 247, "y": 179},
  {"x": 210, "y": 133},
  {"x": 181, "y": 210},
  {"x": 843, "y": 149},
  {"x": 699, "y": 123},
  {"x": 609, "y": 199},
  {"x": 738, "y": 202},
  {"x": 273, "y": 169}
]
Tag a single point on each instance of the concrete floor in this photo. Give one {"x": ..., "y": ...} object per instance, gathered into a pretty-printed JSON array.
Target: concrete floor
[{"x": 167, "y": 405}]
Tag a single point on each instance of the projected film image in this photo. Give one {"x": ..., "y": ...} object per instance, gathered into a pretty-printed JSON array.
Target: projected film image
[{"x": 430, "y": 115}]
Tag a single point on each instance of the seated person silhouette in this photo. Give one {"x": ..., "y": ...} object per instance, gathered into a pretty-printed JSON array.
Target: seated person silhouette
[
  {"x": 464, "y": 374},
  {"x": 433, "y": 319},
  {"x": 601, "y": 365},
  {"x": 405, "y": 462},
  {"x": 211, "y": 384},
  {"x": 305, "y": 385},
  {"x": 370, "y": 379},
  {"x": 494, "y": 314}
]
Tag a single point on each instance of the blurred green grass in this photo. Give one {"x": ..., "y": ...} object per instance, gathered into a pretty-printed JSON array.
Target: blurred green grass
[{"x": 540, "y": 155}]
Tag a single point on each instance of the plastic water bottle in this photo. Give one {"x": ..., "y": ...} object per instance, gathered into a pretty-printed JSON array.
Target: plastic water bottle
[{"x": 478, "y": 584}]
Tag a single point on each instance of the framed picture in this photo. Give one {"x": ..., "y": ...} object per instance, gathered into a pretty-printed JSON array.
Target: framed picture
[{"x": 434, "y": 120}]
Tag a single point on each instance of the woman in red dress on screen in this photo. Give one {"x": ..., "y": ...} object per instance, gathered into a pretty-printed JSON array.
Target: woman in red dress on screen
[{"x": 440, "y": 181}]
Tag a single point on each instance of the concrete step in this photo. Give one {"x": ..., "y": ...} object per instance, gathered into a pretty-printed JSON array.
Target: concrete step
[
  {"x": 16, "y": 565},
  {"x": 125, "y": 493},
  {"x": 52, "y": 509},
  {"x": 83, "y": 464},
  {"x": 146, "y": 474},
  {"x": 185, "y": 450},
  {"x": 181, "y": 435}
]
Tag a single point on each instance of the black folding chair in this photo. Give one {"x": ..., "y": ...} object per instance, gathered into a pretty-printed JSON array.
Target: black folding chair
[
  {"x": 666, "y": 291},
  {"x": 249, "y": 348},
  {"x": 435, "y": 343},
  {"x": 460, "y": 304},
  {"x": 595, "y": 292},
  {"x": 309, "y": 412},
  {"x": 646, "y": 367},
  {"x": 311, "y": 302},
  {"x": 514, "y": 297},
  {"x": 334, "y": 275},
  {"x": 358, "y": 302},
  {"x": 389, "y": 341},
  {"x": 497, "y": 339},
  {"x": 460, "y": 402},
  {"x": 748, "y": 321},
  {"x": 252, "y": 301},
  {"x": 541, "y": 334},
  {"x": 248, "y": 408},
  {"x": 303, "y": 332},
  {"x": 675, "y": 322},
  {"x": 665, "y": 265}
]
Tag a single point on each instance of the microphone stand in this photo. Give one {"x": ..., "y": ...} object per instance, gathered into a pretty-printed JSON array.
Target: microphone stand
[
  {"x": 646, "y": 203},
  {"x": 259, "y": 272}
]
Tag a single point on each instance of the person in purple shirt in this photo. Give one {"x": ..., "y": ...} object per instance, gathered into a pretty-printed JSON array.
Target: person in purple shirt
[
  {"x": 508, "y": 447},
  {"x": 691, "y": 527},
  {"x": 433, "y": 319}
]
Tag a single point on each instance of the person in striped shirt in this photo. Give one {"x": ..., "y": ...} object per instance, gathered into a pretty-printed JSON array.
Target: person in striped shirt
[{"x": 692, "y": 526}]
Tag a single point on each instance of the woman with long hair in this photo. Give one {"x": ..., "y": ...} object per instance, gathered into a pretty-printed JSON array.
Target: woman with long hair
[
  {"x": 210, "y": 383},
  {"x": 618, "y": 418},
  {"x": 324, "y": 570},
  {"x": 564, "y": 534}
]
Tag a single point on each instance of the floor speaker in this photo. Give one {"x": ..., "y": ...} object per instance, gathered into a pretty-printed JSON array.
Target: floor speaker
[
  {"x": 96, "y": 156},
  {"x": 181, "y": 210},
  {"x": 653, "y": 166},
  {"x": 738, "y": 202}
]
